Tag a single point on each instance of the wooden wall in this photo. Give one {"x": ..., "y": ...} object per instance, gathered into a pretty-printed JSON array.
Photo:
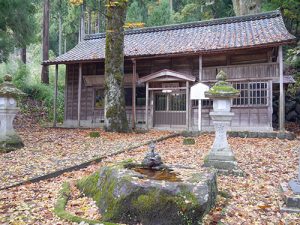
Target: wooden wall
[{"x": 247, "y": 64}]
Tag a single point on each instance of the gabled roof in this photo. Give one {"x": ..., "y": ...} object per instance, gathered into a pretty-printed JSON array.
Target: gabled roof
[
  {"x": 259, "y": 30},
  {"x": 167, "y": 75}
]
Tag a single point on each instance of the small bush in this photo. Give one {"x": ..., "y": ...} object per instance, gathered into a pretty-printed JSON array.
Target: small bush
[
  {"x": 94, "y": 134},
  {"x": 189, "y": 141}
]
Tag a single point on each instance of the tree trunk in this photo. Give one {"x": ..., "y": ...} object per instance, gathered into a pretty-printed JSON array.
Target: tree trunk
[
  {"x": 171, "y": 5},
  {"x": 245, "y": 7},
  {"x": 89, "y": 21},
  {"x": 115, "y": 112},
  {"x": 59, "y": 33},
  {"x": 45, "y": 69},
  {"x": 99, "y": 16},
  {"x": 23, "y": 55},
  {"x": 82, "y": 22}
]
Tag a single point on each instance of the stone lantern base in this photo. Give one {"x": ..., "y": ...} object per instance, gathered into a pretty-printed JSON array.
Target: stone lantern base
[
  {"x": 221, "y": 156},
  {"x": 9, "y": 139},
  {"x": 10, "y": 143}
]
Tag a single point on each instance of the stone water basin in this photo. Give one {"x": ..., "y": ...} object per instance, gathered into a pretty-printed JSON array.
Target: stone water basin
[{"x": 143, "y": 196}]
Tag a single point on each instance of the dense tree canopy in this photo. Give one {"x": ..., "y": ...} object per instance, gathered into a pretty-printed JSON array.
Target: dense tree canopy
[{"x": 17, "y": 25}]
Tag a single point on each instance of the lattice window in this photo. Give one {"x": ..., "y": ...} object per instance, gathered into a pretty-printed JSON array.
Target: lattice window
[{"x": 251, "y": 93}]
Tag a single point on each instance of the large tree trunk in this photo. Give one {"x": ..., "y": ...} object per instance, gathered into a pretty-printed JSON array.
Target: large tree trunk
[
  {"x": 245, "y": 7},
  {"x": 45, "y": 69},
  {"x": 115, "y": 113}
]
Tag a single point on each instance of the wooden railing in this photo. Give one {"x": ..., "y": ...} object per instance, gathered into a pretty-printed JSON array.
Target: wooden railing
[{"x": 262, "y": 70}]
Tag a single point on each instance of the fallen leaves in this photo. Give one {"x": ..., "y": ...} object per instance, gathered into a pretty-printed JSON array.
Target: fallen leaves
[
  {"x": 49, "y": 150},
  {"x": 254, "y": 199}
]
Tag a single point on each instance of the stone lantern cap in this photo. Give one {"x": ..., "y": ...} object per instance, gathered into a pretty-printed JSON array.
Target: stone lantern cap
[
  {"x": 8, "y": 89},
  {"x": 222, "y": 89}
]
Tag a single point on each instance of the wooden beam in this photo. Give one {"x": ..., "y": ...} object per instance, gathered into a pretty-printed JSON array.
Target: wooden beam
[
  {"x": 281, "y": 88},
  {"x": 133, "y": 93},
  {"x": 55, "y": 97},
  {"x": 147, "y": 97},
  {"x": 79, "y": 94}
]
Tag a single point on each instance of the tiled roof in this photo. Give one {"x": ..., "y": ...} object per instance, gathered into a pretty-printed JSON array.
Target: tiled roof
[{"x": 260, "y": 30}]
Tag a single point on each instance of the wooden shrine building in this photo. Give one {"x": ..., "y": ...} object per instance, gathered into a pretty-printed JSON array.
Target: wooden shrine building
[{"x": 162, "y": 63}]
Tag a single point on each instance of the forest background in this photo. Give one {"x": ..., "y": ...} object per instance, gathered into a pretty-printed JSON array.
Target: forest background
[{"x": 22, "y": 28}]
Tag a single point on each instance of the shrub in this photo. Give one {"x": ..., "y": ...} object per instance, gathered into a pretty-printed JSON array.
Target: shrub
[
  {"x": 189, "y": 141},
  {"x": 94, "y": 134}
]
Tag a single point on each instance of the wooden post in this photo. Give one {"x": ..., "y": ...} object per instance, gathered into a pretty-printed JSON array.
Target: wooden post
[
  {"x": 151, "y": 109},
  {"x": 200, "y": 101},
  {"x": 79, "y": 94},
  {"x": 187, "y": 105},
  {"x": 133, "y": 93},
  {"x": 270, "y": 99},
  {"x": 147, "y": 99},
  {"x": 281, "y": 96},
  {"x": 199, "y": 115},
  {"x": 55, "y": 96}
]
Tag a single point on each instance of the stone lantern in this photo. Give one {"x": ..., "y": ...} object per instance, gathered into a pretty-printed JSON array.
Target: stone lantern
[
  {"x": 221, "y": 156},
  {"x": 9, "y": 139}
]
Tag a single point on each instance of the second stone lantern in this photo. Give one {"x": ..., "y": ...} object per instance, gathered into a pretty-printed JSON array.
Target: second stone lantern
[
  {"x": 9, "y": 139},
  {"x": 221, "y": 156}
]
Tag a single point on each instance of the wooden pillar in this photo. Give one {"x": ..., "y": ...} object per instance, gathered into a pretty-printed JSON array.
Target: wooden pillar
[
  {"x": 55, "y": 96},
  {"x": 133, "y": 93},
  {"x": 151, "y": 109},
  {"x": 187, "y": 105},
  {"x": 270, "y": 99},
  {"x": 79, "y": 94},
  {"x": 200, "y": 101},
  {"x": 281, "y": 88},
  {"x": 147, "y": 100}
]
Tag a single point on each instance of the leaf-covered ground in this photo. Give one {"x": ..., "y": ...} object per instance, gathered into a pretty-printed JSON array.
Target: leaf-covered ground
[
  {"x": 49, "y": 150},
  {"x": 255, "y": 199}
]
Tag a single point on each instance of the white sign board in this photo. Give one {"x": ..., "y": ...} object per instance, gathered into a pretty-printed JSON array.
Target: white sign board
[{"x": 197, "y": 91}]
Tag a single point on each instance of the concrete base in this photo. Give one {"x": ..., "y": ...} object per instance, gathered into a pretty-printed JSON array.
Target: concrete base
[
  {"x": 291, "y": 200},
  {"x": 227, "y": 167},
  {"x": 11, "y": 143}
]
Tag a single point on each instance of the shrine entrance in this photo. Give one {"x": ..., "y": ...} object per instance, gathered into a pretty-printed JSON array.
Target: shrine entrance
[{"x": 167, "y": 99}]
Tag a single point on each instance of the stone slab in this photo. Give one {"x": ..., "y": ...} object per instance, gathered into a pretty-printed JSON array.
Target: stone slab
[
  {"x": 224, "y": 167},
  {"x": 291, "y": 200}
]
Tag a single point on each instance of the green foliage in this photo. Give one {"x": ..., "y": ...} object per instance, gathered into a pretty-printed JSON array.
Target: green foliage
[
  {"x": 94, "y": 134},
  {"x": 189, "y": 141},
  {"x": 17, "y": 25},
  {"x": 160, "y": 14},
  {"x": 26, "y": 78},
  {"x": 290, "y": 10},
  {"x": 293, "y": 56},
  {"x": 134, "y": 14}
]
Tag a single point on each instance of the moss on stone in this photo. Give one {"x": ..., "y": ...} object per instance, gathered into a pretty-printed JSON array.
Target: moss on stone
[
  {"x": 222, "y": 88},
  {"x": 88, "y": 185},
  {"x": 60, "y": 206},
  {"x": 11, "y": 143},
  {"x": 120, "y": 200}
]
